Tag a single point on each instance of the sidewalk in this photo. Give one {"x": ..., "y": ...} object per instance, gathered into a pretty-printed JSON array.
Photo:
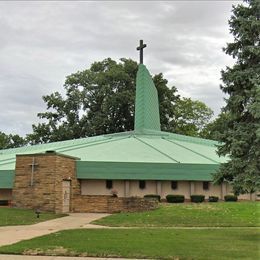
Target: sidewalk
[
  {"x": 13, "y": 234},
  {"x": 24, "y": 257}
]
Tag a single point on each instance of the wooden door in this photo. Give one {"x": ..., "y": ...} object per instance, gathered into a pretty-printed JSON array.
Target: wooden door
[{"x": 66, "y": 196}]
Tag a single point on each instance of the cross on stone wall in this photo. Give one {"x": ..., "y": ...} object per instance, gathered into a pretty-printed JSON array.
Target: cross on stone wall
[
  {"x": 33, "y": 165},
  {"x": 140, "y": 48}
]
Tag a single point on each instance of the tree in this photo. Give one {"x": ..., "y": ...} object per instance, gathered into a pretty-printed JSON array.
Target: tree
[
  {"x": 168, "y": 99},
  {"x": 11, "y": 141},
  {"x": 213, "y": 130},
  {"x": 190, "y": 117},
  {"x": 241, "y": 137},
  {"x": 100, "y": 100}
]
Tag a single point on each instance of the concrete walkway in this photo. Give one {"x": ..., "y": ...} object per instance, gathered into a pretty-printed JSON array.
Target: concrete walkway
[
  {"x": 13, "y": 234},
  {"x": 24, "y": 257}
]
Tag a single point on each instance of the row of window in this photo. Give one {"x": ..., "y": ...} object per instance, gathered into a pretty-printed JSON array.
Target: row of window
[{"x": 142, "y": 185}]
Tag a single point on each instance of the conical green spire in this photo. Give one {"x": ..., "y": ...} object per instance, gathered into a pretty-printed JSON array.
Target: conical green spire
[{"x": 146, "y": 102}]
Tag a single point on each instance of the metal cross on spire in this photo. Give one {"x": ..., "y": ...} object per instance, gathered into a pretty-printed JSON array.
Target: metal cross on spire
[{"x": 140, "y": 48}]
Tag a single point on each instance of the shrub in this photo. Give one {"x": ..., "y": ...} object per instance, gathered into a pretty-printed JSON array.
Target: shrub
[
  {"x": 197, "y": 198},
  {"x": 213, "y": 199},
  {"x": 230, "y": 198},
  {"x": 153, "y": 196},
  {"x": 175, "y": 198}
]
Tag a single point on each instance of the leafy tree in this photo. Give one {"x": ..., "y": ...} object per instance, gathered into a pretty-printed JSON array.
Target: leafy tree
[
  {"x": 190, "y": 117},
  {"x": 213, "y": 130},
  {"x": 241, "y": 137},
  {"x": 168, "y": 99},
  {"x": 100, "y": 100},
  {"x": 4, "y": 140},
  {"x": 11, "y": 141}
]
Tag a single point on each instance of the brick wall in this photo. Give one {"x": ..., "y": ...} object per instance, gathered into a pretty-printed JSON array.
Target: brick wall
[
  {"x": 46, "y": 191},
  {"x": 89, "y": 203},
  {"x": 131, "y": 204},
  {"x": 66, "y": 170}
]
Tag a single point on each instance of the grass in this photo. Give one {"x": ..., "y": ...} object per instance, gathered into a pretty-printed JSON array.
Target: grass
[
  {"x": 156, "y": 242},
  {"x": 145, "y": 243},
  {"x": 12, "y": 217},
  {"x": 220, "y": 214}
]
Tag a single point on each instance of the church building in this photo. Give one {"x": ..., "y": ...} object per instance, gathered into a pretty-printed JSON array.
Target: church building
[{"x": 82, "y": 175}]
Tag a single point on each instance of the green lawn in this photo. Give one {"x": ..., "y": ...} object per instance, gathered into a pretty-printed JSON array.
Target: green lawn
[
  {"x": 145, "y": 243},
  {"x": 220, "y": 214},
  {"x": 12, "y": 216}
]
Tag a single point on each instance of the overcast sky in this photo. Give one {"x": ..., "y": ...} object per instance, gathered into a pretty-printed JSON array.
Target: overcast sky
[{"x": 43, "y": 42}]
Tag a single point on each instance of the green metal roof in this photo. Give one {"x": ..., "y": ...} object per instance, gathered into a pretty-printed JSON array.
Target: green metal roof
[
  {"x": 118, "y": 156},
  {"x": 145, "y": 153},
  {"x": 146, "y": 102},
  {"x": 145, "y": 171},
  {"x": 6, "y": 179}
]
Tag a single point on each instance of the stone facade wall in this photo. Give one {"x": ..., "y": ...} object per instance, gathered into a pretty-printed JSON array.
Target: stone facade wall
[
  {"x": 131, "y": 204},
  {"x": 100, "y": 204},
  {"x": 40, "y": 194},
  {"x": 88, "y": 203},
  {"x": 66, "y": 170},
  {"x": 46, "y": 191}
]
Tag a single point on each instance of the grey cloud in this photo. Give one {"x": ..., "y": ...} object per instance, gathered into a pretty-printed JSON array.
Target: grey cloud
[{"x": 43, "y": 42}]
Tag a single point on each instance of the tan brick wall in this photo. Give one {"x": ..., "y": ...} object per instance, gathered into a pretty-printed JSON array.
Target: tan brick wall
[
  {"x": 66, "y": 169},
  {"x": 150, "y": 188},
  {"x": 98, "y": 187},
  {"x": 214, "y": 190},
  {"x": 131, "y": 204},
  {"x": 41, "y": 193},
  {"x": 46, "y": 192},
  {"x": 87, "y": 203},
  {"x": 182, "y": 189}
]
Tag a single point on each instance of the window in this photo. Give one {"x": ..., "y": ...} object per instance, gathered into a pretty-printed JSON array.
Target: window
[
  {"x": 205, "y": 185},
  {"x": 142, "y": 185},
  {"x": 109, "y": 184},
  {"x": 174, "y": 185}
]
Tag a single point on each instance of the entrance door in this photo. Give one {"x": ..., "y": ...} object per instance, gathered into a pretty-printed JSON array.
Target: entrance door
[{"x": 66, "y": 196}]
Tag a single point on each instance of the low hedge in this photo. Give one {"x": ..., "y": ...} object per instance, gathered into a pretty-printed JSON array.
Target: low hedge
[
  {"x": 213, "y": 199},
  {"x": 197, "y": 198},
  {"x": 153, "y": 196},
  {"x": 175, "y": 198},
  {"x": 230, "y": 198}
]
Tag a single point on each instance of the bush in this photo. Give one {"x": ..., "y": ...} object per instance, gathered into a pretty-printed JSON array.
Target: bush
[
  {"x": 213, "y": 199},
  {"x": 175, "y": 198},
  {"x": 153, "y": 196},
  {"x": 230, "y": 198},
  {"x": 197, "y": 198}
]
